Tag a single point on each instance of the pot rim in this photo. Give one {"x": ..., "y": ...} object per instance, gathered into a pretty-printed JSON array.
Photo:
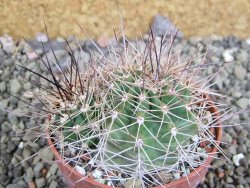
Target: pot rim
[{"x": 206, "y": 164}]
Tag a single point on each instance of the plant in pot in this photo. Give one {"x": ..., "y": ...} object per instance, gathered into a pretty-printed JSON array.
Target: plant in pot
[{"x": 136, "y": 116}]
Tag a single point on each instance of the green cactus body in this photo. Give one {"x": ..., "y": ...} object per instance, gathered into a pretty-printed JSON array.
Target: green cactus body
[
  {"x": 78, "y": 123},
  {"x": 142, "y": 123},
  {"x": 149, "y": 126}
]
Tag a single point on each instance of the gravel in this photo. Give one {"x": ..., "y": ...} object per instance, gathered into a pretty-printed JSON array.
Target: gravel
[
  {"x": 243, "y": 103},
  {"x": 18, "y": 166},
  {"x": 162, "y": 24},
  {"x": 240, "y": 72}
]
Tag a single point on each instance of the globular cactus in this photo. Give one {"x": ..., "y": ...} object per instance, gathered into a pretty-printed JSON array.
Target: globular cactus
[
  {"x": 149, "y": 119},
  {"x": 136, "y": 112}
]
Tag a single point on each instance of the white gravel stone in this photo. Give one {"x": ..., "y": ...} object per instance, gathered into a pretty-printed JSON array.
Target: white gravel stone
[
  {"x": 81, "y": 170},
  {"x": 42, "y": 37},
  {"x": 7, "y": 43},
  {"x": 237, "y": 158},
  {"x": 28, "y": 94},
  {"x": 109, "y": 183},
  {"x": 20, "y": 145},
  {"x": 177, "y": 175},
  {"x": 97, "y": 174},
  {"x": 248, "y": 41},
  {"x": 227, "y": 56}
]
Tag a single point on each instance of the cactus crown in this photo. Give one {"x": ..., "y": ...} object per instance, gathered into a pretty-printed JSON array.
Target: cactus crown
[{"x": 136, "y": 111}]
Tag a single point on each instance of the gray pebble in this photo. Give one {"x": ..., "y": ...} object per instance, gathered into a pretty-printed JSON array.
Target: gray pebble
[
  {"x": 26, "y": 153},
  {"x": 240, "y": 72},
  {"x": 227, "y": 138},
  {"x": 2, "y": 54},
  {"x": 27, "y": 86},
  {"x": 33, "y": 144},
  {"x": 25, "y": 164},
  {"x": 8, "y": 62},
  {"x": 12, "y": 186},
  {"x": 229, "y": 185},
  {"x": 248, "y": 84},
  {"x": 51, "y": 178},
  {"x": 6, "y": 74},
  {"x": 21, "y": 183},
  {"x": 2, "y": 86},
  {"x": 2, "y": 169},
  {"x": 221, "y": 79},
  {"x": 83, "y": 58},
  {"x": 14, "y": 160},
  {"x": 5, "y": 128},
  {"x": 195, "y": 40},
  {"x": 38, "y": 167},
  {"x": 15, "y": 86},
  {"x": 242, "y": 56},
  {"x": 232, "y": 149},
  {"x": 36, "y": 159},
  {"x": 248, "y": 144},
  {"x": 19, "y": 157},
  {"x": 62, "y": 57},
  {"x": 16, "y": 139},
  {"x": 13, "y": 101},
  {"x": 244, "y": 133},
  {"x": 53, "y": 184},
  {"x": 46, "y": 154},
  {"x": 4, "y": 104},
  {"x": 229, "y": 67},
  {"x": 229, "y": 179},
  {"x": 11, "y": 146},
  {"x": 7, "y": 44},
  {"x": 21, "y": 125},
  {"x": 236, "y": 94},
  {"x": 40, "y": 182},
  {"x": 161, "y": 25},
  {"x": 241, "y": 180},
  {"x": 29, "y": 175},
  {"x": 243, "y": 103},
  {"x": 4, "y": 179},
  {"x": 12, "y": 118},
  {"x": 53, "y": 169},
  {"x": 210, "y": 178},
  {"x": 91, "y": 47}
]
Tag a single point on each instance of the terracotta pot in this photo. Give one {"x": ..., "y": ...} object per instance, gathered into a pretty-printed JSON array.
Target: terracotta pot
[{"x": 193, "y": 179}]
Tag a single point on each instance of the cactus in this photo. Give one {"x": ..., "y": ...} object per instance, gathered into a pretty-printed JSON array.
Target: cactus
[
  {"x": 137, "y": 112},
  {"x": 147, "y": 116}
]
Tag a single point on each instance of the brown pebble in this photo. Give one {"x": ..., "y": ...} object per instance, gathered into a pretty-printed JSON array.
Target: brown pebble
[
  {"x": 234, "y": 141},
  {"x": 44, "y": 172},
  {"x": 31, "y": 184},
  {"x": 221, "y": 175},
  {"x": 203, "y": 144}
]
